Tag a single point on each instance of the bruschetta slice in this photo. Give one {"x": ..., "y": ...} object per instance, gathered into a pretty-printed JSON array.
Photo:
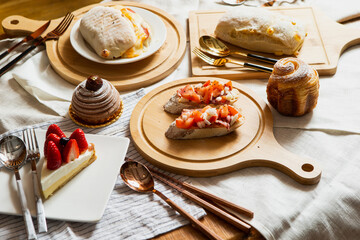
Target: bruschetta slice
[
  {"x": 200, "y": 95},
  {"x": 206, "y": 122}
]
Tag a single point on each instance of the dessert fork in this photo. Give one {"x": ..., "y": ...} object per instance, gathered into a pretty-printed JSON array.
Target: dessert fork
[
  {"x": 53, "y": 35},
  {"x": 31, "y": 142},
  {"x": 222, "y": 61}
]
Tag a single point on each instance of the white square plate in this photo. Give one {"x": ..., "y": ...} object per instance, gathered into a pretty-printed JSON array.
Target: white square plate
[{"x": 83, "y": 198}]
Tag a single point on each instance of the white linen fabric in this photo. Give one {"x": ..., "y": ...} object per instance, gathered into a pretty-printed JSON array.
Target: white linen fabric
[
  {"x": 283, "y": 208},
  {"x": 128, "y": 215}
]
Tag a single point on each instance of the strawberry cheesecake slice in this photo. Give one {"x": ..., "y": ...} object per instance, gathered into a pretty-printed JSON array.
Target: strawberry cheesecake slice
[{"x": 64, "y": 158}]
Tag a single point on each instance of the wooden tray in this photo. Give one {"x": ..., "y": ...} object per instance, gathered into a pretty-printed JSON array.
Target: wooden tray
[
  {"x": 253, "y": 144},
  {"x": 325, "y": 41},
  {"x": 74, "y": 68}
]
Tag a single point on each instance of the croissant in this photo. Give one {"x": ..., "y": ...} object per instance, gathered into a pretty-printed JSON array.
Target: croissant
[{"x": 293, "y": 87}]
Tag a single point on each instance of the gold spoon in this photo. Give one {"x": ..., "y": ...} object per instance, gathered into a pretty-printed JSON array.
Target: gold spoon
[
  {"x": 12, "y": 156},
  {"x": 139, "y": 178},
  {"x": 217, "y": 48}
]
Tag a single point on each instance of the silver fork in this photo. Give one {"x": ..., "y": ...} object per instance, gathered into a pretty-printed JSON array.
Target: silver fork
[
  {"x": 31, "y": 142},
  {"x": 222, "y": 61}
]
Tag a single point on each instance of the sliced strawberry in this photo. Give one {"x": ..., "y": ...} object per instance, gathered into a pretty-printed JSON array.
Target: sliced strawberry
[
  {"x": 52, "y": 137},
  {"x": 71, "y": 151},
  {"x": 53, "y": 128},
  {"x": 80, "y": 138},
  {"x": 53, "y": 156}
]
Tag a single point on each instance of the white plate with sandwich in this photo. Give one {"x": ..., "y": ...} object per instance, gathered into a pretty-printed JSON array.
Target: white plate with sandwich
[{"x": 94, "y": 48}]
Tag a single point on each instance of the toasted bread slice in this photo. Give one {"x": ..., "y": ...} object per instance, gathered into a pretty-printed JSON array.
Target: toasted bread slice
[
  {"x": 206, "y": 122},
  {"x": 217, "y": 130},
  {"x": 177, "y": 103}
]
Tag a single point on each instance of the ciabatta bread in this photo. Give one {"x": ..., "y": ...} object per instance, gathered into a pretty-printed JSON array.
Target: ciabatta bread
[{"x": 261, "y": 30}]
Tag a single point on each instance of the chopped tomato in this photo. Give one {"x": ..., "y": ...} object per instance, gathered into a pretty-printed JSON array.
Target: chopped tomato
[
  {"x": 229, "y": 85},
  {"x": 188, "y": 93},
  {"x": 216, "y": 85},
  {"x": 180, "y": 123},
  {"x": 216, "y": 92},
  {"x": 201, "y": 91},
  {"x": 205, "y": 108},
  {"x": 207, "y": 83},
  {"x": 213, "y": 118},
  {"x": 208, "y": 94},
  {"x": 232, "y": 110},
  {"x": 197, "y": 116},
  {"x": 224, "y": 111}
]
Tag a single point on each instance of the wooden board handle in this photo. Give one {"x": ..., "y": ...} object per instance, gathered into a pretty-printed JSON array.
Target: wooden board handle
[
  {"x": 302, "y": 169},
  {"x": 18, "y": 25}
]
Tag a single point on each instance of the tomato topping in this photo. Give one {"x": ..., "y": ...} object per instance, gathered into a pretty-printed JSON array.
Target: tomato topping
[
  {"x": 205, "y": 93},
  {"x": 213, "y": 118},
  {"x": 216, "y": 92},
  {"x": 197, "y": 116},
  {"x": 229, "y": 85},
  {"x": 224, "y": 111},
  {"x": 205, "y": 108},
  {"x": 180, "y": 123},
  {"x": 232, "y": 110},
  {"x": 188, "y": 93},
  {"x": 207, "y": 83},
  {"x": 208, "y": 94}
]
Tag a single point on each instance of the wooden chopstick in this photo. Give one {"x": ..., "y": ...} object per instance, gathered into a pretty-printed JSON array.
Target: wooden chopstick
[
  {"x": 207, "y": 195},
  {"x": 208, "y": 206}
]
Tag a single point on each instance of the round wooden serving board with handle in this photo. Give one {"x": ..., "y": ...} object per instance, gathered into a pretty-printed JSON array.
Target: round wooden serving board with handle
[
  {"x": 74, "y": 68},
  {"x": 252, "y": 144}
]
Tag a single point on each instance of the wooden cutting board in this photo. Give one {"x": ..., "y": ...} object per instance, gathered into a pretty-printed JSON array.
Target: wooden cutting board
[
  {"x": 74, "y": 68},
  {"x": 325, "y": 42},
  {"x": 253, "y": 144}
]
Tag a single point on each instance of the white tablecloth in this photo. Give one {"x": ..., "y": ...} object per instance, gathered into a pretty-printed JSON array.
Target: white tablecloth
[{"x": 283, "y": 208}]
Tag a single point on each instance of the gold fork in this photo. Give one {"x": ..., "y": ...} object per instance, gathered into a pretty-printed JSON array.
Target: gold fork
[
  {"x": 29, "y": 137},
  {"x": 222, "y": 61},
  {"x": 54, "y": 34}
]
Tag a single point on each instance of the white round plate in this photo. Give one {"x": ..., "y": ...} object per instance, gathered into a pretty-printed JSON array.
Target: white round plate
[{"x": 157, "y": 31}]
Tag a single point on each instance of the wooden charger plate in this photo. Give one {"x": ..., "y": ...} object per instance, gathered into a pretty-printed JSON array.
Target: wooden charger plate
[
  {"x": 74, "y": 68},
  {"x": 253, "y": 144},
  {"x": 322, "y": 47}
]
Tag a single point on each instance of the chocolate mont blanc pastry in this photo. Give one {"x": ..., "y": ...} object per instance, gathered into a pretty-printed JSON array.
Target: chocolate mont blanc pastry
[
  {"x": 293, "y": 87},
  {"x": 95, "y": 101}
]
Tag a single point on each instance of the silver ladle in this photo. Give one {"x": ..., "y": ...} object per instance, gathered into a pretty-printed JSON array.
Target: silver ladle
[
  {"x": 12, "y": 156},
  {"x": 139, "y": 178}
]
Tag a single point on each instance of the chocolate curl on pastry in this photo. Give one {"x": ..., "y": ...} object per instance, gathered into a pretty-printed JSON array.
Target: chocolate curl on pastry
[{"x": 293, "y": 87}]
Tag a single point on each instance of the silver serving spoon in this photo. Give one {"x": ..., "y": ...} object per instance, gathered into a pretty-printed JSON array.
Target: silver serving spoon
[
  {"x": 12, "y": 156},
  {"x": 139, "y": 178},
  {"x": 216, "y": 47}
]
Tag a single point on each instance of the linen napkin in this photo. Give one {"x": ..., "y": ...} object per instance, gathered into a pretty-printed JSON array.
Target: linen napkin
[{"x": 128, "y": 215}]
